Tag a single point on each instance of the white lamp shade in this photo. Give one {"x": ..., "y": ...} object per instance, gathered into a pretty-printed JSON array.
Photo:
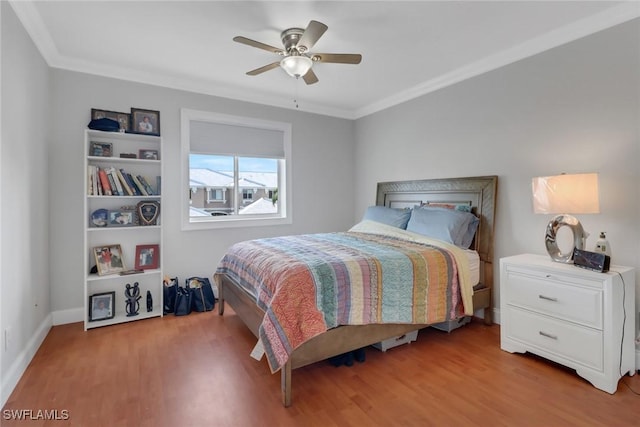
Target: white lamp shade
[
  {"x": 296, "y": 66},
  {"x": 568, "y": 194}
]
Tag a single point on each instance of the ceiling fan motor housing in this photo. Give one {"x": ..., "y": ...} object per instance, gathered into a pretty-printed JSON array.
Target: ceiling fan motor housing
[{"x": 290, "y": 40}]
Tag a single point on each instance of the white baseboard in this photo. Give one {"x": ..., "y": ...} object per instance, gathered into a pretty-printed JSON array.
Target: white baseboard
[
  {"x": 19, "y": 365},
  {"x": 496, "y": 316},
  {"x": 72, "y": 315}
]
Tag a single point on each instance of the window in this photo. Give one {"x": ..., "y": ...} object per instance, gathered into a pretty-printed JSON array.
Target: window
[
  {"x": 215, "y": 195},
  {"x": 237, "y": 171}
]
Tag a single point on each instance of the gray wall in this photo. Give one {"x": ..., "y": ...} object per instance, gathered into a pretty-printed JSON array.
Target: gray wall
[
  {"x": 322, "y": 175},
  {"x": 574, "y": 108},
  {"x": 24, "y": 216}
]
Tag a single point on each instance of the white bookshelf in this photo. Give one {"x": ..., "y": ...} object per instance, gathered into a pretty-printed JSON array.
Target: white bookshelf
[{"x": 127, "y": 236}]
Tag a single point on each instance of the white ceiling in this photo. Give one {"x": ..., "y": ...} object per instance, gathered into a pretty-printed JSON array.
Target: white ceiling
[{"x": 409, "y": 48}]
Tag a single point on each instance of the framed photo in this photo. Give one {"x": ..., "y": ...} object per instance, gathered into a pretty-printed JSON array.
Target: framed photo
[
  {"x": 122, "y": 218},
  {"x": 102, "y": 306},
  {"x": 145, "y": 121},
  {"x": 101, "y": 149},
  {"x": 99, "y": 218},
  {"x": 148, "y": 154},
  {"x": 123, "y": 118},
  {"x": 147, "y": 257},
  {"x": 108, "y": 259}
]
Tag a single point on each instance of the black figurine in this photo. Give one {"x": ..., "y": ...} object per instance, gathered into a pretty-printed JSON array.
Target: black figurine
[
  {"x": 133, "y": 297},
  {"x": 149, "y": 302}
]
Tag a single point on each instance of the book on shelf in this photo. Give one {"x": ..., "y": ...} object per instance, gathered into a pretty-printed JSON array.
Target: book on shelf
[
  {"x": 113, "y": 182},
  {"x": 110, "y": 181},
  {"x": 146, "y": 185},
  {"x": 116, "y": 181},
  {"x": 132, "y": 184},
  {"x": 104, "y": 181},
  {"x": 96, "y": 177},
  {"x": 123, "y": 182},
  {"x": 91, "y": 188},
  {"x": 139, "y": 185}
]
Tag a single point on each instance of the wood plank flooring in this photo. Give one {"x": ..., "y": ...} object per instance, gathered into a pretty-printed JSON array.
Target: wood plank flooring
[{"x": 196, "y": 371}]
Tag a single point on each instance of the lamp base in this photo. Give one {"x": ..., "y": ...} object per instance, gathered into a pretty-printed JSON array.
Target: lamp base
[{"x": 579, "y": 237}]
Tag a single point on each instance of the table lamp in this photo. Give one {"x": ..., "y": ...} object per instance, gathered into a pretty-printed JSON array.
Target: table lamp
[{"x": 564, "y": 195}]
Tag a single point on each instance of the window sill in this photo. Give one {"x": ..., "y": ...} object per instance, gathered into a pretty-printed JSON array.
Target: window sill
[{"x": 213, "y": 223}]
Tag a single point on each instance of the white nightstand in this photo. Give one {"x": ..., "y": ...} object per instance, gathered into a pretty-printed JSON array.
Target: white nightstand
[{"x": 579, "y": 318}]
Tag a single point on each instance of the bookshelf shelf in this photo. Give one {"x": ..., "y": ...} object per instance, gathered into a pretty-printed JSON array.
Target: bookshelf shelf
[{"x": 102, "y": 208}]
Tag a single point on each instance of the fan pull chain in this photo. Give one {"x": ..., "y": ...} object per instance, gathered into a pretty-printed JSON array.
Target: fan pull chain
[{"x": 295, "y": 94}]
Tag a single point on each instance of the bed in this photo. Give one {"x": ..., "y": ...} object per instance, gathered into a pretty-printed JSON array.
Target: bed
[{"x": 317, "y": 339}]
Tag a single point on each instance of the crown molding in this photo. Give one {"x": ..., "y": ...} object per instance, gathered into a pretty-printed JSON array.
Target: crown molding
[
  {"x": 33, "y": 24},
  {"x": 563, "y": 35},
  {"x": 31, "y": 20}
]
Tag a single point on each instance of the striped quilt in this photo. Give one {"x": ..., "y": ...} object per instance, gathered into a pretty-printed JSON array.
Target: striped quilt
[{"x": 307, "y": 284}]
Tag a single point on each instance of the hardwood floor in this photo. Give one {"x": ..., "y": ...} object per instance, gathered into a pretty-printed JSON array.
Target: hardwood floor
[{"x": 196, "y": 371}]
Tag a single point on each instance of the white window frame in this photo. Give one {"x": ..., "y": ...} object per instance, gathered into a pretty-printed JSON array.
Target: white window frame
[{"x": 282, "y": 217}]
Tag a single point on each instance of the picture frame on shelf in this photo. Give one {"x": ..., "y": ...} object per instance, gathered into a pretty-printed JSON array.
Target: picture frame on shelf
[
  {"x": 101, "y": 149},
  {"x": 109, "y": 259},
  {"x": 102, "y": 306},
  {"x": 124, "y": 119},
  {"x": 100, "y": 218},
  {"x": 122, "y": 218},
  {"x": 148, "y": 212},
  {"x": 145, "y": 121},
  {"x": 147, "y": 257},
  {"x": 148, "y": 154}
]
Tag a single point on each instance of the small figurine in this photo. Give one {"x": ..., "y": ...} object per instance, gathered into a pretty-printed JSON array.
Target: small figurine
[
  {"x": 149, "y": 302},
  {"x": 133, "y": 297}
]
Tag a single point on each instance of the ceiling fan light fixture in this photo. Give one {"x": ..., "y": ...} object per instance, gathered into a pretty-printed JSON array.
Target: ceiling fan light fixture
[{"x": 296, "y": 66}]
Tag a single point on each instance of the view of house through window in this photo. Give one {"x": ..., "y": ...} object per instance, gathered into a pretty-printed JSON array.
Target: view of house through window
[
  {"x": 237, "y": 171},
  {"x": 213, "y": 178}
]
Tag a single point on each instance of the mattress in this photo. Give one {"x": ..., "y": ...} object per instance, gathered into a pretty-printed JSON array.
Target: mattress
[{"x": 474, "y": 265}]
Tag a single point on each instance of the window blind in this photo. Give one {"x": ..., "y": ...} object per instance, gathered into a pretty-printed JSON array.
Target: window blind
[{"x": 242, "y": 141}]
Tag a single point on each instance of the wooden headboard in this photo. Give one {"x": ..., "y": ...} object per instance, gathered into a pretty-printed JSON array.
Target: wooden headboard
[{"x": 479, "y": 192}]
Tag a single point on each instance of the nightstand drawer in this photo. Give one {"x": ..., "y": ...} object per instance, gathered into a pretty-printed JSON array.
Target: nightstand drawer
[
  {"x": 576, "y": 304},
  {"x": 556, "y": 338}
]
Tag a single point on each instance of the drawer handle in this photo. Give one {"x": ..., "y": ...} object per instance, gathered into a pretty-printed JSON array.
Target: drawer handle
[
  {"x": 548, "y": 298},
  {"x": 544, "y": 334}
]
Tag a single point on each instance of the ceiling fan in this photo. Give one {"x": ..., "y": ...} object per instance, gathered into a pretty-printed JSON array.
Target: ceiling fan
[{"x": 298, "y": 59}]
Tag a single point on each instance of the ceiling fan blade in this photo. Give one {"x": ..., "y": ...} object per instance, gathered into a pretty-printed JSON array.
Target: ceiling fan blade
[
  {"x": 314, "y": 31},
  {"x": 259, "y": 45},
  {"x": 263, "y": 69},
  {"x": 337, "y": 58},
  {"x": 310, "y": 78}
]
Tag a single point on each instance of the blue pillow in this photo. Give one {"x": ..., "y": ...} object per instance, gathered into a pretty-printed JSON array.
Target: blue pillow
[
  {"x": 390, "y": 216},
  {"x": 449, "y": 225}
]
